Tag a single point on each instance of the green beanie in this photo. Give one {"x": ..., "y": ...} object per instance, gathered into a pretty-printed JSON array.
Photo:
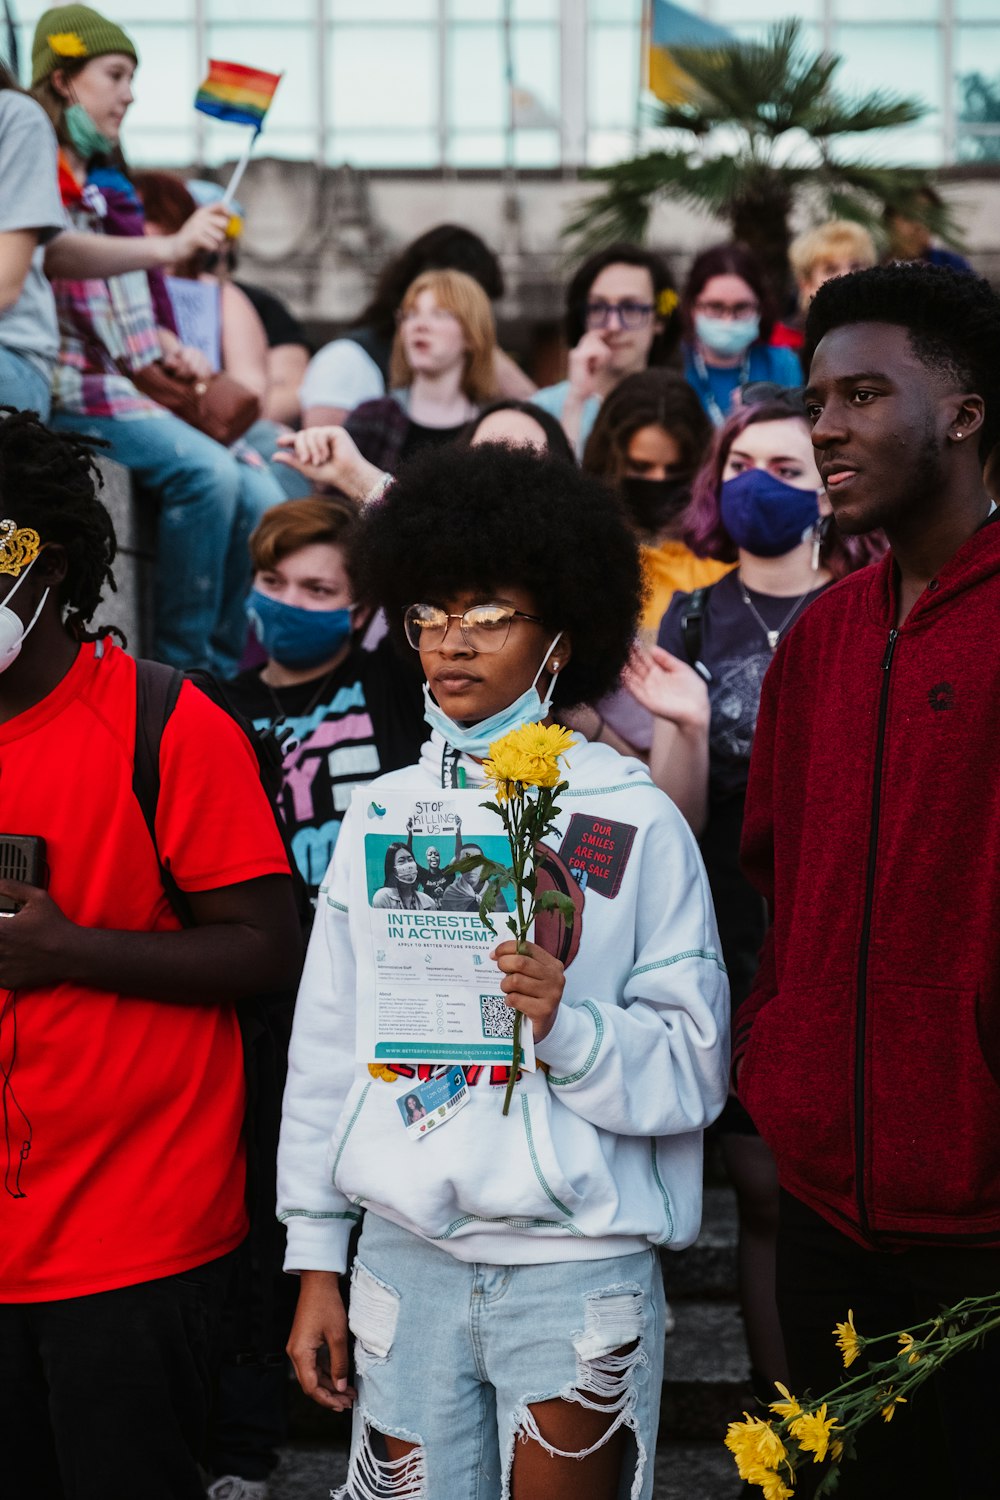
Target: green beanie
[{"x": 74, "y": 33}]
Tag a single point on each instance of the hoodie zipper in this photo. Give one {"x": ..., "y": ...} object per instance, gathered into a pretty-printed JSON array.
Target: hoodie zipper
[{"x": 866, "y": 930}]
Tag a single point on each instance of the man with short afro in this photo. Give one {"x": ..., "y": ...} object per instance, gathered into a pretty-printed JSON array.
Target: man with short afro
[{"x": 868, "y": 1052}]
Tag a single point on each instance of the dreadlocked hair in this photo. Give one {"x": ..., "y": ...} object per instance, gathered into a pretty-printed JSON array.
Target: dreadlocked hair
[{"x": 49, "y": 480}]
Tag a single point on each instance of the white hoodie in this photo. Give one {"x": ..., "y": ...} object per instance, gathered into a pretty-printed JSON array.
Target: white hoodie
[{"x": 601, "y": 1153}]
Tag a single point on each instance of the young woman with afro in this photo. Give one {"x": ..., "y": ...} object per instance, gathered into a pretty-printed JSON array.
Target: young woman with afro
[{"x": 514, "y": 1257}]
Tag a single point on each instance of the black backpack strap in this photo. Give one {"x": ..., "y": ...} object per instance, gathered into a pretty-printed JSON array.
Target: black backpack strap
[
  {"x": 157, "y": 688},
  {"x": 692, "y": 628}
]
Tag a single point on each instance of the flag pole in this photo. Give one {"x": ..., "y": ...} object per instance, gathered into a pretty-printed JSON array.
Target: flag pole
[{"x": 238, "y": 170}]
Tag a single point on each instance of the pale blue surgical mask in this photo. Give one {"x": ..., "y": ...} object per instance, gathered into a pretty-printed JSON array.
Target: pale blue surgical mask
[
  {"x": 727, "y": 336},
  {"x": 85, "y": 138},
  {"x": 476, "y": 739}
]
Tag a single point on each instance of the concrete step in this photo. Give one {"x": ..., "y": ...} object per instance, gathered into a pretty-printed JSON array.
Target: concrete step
[
  {"x": 708, "y": 1267},
  {"x": 706, "y": 1375},
  {"x": 693, "y": 1471}
]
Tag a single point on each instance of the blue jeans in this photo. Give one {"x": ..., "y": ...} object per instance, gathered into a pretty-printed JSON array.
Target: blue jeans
[
  {"x": 452, "y": 1356},
  {"x": 209, "y": 504},
  {"x": 23, "y": 385},
  {"x": 262, "y": 437}
]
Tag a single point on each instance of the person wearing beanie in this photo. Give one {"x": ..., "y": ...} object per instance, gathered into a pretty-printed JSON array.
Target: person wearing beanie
[{"x": 209, "y": 499}]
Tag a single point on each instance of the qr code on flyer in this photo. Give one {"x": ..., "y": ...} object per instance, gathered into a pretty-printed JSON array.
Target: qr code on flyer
[{"x": 498, "y": 1017}]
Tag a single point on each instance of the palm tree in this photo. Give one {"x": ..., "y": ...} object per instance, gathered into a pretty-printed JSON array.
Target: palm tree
[{"x": 763, "y": 122}]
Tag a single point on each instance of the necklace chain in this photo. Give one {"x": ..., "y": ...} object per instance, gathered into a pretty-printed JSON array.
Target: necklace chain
[
  {"x": 773, "y": 636},
  {"x": 281, "y": 714}
]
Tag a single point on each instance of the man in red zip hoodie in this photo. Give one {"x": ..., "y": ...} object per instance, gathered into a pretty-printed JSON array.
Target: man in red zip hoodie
[{"x": 868, "y": 1052}]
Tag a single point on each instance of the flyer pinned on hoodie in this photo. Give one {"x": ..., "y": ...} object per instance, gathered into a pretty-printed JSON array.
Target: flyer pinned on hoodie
[{"x": 428, "y": 991}]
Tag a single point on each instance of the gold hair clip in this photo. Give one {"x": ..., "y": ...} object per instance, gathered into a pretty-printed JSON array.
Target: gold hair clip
[
  {"x": 67, "y": 44},
  {"x": 666, "y": 302},
  {"x": 19, "y": 546}
]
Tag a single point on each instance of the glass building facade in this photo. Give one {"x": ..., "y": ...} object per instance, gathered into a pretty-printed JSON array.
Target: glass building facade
[{"x": 422, "y": 84}]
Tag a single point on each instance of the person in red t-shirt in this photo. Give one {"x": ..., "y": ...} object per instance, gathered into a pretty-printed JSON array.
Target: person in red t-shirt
[{"x": 121, "y": 1064}]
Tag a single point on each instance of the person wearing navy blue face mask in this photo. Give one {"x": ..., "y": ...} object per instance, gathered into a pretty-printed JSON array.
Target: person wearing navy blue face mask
[
  {"x": 757, "y": 501},
  {"x": 727, "y": 315},
  {"x": 343, "y": 714}
]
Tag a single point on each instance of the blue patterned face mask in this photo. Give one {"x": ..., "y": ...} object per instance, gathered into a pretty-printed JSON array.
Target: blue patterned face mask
[
  {"x": 476, "y": 739},
  {"x": 297, "y": 637},
  {"x": 764, "y": 515}
]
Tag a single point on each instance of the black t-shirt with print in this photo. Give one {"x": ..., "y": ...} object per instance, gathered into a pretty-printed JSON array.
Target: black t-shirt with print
[
  {"x": 734, "y": 648},
  {"x": 368, "y": 719}
]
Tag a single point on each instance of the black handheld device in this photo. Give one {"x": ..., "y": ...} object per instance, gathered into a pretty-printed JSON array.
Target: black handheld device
[{"x": 22, "y": 857}]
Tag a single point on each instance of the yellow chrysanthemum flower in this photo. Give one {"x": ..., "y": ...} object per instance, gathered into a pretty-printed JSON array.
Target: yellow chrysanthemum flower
[
  {"x": 812, "y": 1432},
  {"x": 755, "y": 1446},
  {"x": 836, "y": 1451},
  {"x": 889, "y": 1410},
  {"x": 849, "y": 1340},
  {"x": 773, "y": 1485},
  {"x": 67, "y": 44},
  {"x": 788, "y": 1407},
  {"x": 907, "y": 1346},
  {"x": 528, "y": 756},
  {"x": 379, "y": 1070}
]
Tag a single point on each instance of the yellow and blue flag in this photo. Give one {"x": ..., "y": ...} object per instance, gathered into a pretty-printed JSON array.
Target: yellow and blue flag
[{"x": 666, "y": 27}]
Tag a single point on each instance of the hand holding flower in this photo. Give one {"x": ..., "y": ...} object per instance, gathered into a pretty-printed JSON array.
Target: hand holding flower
[{"x": 533, "y": 984}]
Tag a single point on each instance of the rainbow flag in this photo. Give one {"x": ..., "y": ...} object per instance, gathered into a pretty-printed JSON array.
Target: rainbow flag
[{"x": 237, "y": 94}]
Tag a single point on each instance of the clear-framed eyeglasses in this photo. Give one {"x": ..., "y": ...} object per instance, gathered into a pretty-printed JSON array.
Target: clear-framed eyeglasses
[
  {"x": 484, "y": 627},
  {"x": 629, "y": 313}
]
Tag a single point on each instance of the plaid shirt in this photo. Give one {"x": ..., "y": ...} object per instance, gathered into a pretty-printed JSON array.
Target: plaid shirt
[
  {"x": 101, "y": 322},
  {"x": 379, "y": 428}
]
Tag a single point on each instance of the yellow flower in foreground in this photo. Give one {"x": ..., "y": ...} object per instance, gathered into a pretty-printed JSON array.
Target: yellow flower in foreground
[
  {"x": 528, "y": 756},
  {"x": 889, "y": 1410},
  {"x": 812, "y": 1432},
  {"x": 836, "y": 1451},
  {"x": 789, "y": 1407},
  {"x": 906, "y": 1345},
  {"x": 67, "y": 44},
  {"x": 849, "y": 1340},
  {"x": 773, "y": 1485},
  {"x": 379, "y": 1070},
  {"x": 755, "y": 1446}
]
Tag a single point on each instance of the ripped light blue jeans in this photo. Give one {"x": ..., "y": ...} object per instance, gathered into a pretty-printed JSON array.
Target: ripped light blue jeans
[
  {"x": 452, "y": 1356},
  {"x": 209, "y": 504}
]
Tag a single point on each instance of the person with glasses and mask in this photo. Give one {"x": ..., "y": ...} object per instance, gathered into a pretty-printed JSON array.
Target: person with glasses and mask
[
  {"x": 621, "y": 317},
  {"x": 728, "y": 318},
  {"x": 518, "y": 1254}
]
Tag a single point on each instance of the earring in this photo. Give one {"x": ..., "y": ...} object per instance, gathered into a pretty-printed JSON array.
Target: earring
[
  {"x": 959, "y": 434},
  {"x": 553, "y": 666}
]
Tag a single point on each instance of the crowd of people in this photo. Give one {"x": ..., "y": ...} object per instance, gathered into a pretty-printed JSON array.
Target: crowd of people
[{"x": 745, "y": 552}]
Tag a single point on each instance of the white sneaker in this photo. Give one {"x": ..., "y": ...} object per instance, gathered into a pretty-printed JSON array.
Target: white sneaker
[{"x": 232, "y": 1487}]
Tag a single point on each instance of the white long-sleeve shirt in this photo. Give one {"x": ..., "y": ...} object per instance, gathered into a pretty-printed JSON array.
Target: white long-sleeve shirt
[{"x": 601, "y": 1153}]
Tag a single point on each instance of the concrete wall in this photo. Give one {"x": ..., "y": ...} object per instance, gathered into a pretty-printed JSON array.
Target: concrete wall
[
  {"x": 131, "y": 606},
  {"x": 318, "y": 238}
]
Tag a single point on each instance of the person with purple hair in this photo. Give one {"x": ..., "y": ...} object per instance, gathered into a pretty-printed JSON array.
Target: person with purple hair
[
  {"x": 728, "y": 315},
  {"x": 757, "y": 501}
]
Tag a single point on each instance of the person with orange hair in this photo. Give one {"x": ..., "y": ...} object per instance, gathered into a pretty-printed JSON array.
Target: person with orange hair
[{"x": 440, "y": 373}]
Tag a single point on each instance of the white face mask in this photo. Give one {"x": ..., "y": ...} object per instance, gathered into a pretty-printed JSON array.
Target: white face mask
[
  {"x": 12, "y": 628},
  {"x": 476, "y": 739}
]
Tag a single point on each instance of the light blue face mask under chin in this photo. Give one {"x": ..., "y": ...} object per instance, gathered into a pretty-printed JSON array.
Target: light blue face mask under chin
[{"x": 476, "y": 739}]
